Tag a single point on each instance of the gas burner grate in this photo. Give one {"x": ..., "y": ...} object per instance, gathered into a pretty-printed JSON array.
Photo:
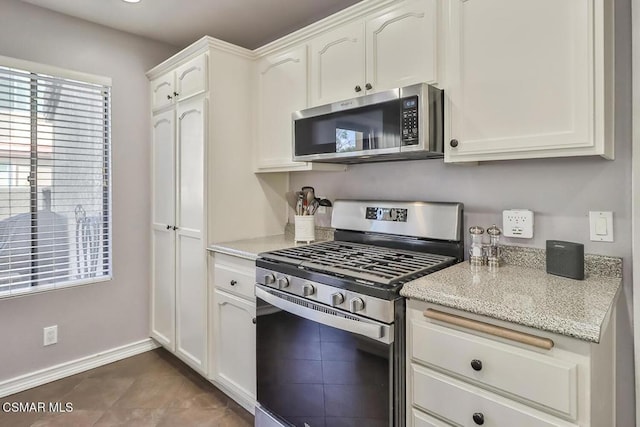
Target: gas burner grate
[{"x": 375, "y": 264}]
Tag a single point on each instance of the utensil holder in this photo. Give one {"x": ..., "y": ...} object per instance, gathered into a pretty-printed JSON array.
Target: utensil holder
[{"x": 305, "y": 228}]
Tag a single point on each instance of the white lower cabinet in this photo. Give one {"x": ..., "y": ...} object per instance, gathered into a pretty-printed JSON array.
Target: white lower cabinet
[
  {"x": 233, "y": 331},
  {"x": 456, "y": 376}
]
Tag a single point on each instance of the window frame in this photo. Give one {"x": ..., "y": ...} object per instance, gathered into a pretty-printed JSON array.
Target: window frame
[{"x": 62, "y": 73}]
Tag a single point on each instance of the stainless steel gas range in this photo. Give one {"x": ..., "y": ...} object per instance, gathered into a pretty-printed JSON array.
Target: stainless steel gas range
[{"x": 331, "y": 322}]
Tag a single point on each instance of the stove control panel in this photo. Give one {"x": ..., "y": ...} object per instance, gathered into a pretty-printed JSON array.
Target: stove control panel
[
  {"x": 386, "y": 214},
  {"x": 338, "y": 298}
]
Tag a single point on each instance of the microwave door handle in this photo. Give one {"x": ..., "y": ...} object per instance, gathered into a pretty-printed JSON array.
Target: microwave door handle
[{"x": 375, "y": 331}]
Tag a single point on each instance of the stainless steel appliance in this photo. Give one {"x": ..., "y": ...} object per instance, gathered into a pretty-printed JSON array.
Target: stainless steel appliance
[
  {"x": 331, "y": 322},
  {"x": 403, "y": 123}
]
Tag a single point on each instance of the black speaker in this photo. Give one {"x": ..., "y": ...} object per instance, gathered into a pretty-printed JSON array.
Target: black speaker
[{"x": 565, "y": 259}]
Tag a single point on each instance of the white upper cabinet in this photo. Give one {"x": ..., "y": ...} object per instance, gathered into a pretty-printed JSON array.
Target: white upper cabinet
[
  {"x": 191, "y": 78},
  {"x": 282, "y": 89},
  {"x": 185, "y": 81},
  {"x": 338, "y": 64},
  {"x": 394, "y": 47},
  {"x": 282, "y": 85},
  {"x": 401, "y": 45},
  {"x": 528, "y": 79},
  {"x": 162, "y": 90}
]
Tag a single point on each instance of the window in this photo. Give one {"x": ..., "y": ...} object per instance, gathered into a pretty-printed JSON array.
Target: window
[{"x": 55, "y": 199}]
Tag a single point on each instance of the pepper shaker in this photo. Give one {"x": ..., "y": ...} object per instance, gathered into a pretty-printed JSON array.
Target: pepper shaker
[{"x": 493, "y": 257}]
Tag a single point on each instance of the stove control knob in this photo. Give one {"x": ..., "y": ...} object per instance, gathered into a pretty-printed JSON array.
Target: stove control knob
[
  {"x": 337, "y": 299},
  {"x": 356, "y": 304},
  {"x": 269, "y": 279},
  {"x": 308, "y": 289},
  {"x": 283, "y": 282}
]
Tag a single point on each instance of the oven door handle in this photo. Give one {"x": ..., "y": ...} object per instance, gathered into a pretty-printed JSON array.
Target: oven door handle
[{"x": 367, "y": 328}]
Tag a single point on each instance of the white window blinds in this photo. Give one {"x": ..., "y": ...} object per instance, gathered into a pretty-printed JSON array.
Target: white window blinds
[{"x": 55, "y": 221}]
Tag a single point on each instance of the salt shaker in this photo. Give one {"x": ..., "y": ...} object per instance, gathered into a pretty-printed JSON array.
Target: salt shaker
[
  {"x": 475, "y": 249},
  {"x": 493, "y": 257}
]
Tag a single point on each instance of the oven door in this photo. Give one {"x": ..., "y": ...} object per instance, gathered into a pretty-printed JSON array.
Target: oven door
[{"x": 319, "y": 367}]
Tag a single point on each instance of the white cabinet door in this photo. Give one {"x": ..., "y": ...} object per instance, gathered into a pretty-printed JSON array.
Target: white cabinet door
[
  {"x": 338, "y": 64},
  {"x": 162, "y": 90},
  {"x": 191, "y": 78},
  {"x": 402, "y": 45},
  {"x": 235, "y": 344},
  {"x": 191, "y": 288},
  {"x": 524, "y": 79},
  {"x": 282, "y": 86},
  {"x": 162, "y": 234}
]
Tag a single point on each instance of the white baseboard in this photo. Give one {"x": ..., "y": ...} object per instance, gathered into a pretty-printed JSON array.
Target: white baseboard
[{"x": 53, "y": 373}]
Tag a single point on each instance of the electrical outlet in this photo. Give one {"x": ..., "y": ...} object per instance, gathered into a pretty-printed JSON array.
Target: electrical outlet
[
  {"x": 50, "y": 335},
  {"x": 517, "y": 223}
]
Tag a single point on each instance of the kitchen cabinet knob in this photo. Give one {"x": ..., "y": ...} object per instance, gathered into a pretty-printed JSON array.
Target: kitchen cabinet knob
[
  {"x": 453, "y": 143},
  {"x": 168, "y": 227},
  {"x": 175, "y": 228},
  {"x": 478, "y": 418},
  {"x": 169, "y": 97},
  {"x": 476, "y": 364},
  {"x": 358, "y": 88},
  {"x": 175, "y": 94},
  {"x": 233, "y": 282},
  {"x": 368, "y": 86},
  {"x": 254, "y": 321}
]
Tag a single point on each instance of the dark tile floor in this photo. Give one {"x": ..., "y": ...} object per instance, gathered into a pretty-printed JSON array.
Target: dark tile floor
[{"x": 153, "y": 389}]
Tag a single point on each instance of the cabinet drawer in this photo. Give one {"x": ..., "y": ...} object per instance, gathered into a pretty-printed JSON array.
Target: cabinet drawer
[
  {"x": 234, "y": 281},
  {"x": 458, "y": 402},
  {"x": 420, "y": 419},
  {"x": 530, "y": 375}
]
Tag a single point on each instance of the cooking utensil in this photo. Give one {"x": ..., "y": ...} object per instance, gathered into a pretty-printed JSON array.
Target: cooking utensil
[
  {"x": 313, "y": 207},
  {"x": 325, "y": 202}
]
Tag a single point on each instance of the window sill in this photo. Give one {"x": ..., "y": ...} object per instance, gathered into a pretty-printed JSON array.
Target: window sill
[{"x": 34, "y": 290}]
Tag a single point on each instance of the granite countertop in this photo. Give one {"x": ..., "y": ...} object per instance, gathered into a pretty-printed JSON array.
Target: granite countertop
[
  {"x": 250, "y": 248},
  {"x": 522, "y": 295}
]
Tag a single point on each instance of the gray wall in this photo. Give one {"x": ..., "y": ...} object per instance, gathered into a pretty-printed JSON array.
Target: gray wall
[
  {"x": 561, "y": 192},
  {"x": 102, "y": 316}
]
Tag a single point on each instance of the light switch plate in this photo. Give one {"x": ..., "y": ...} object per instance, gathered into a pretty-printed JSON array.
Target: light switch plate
[
  {"x": 601, "y": 226},
  {"x": 517, "y": 223}
]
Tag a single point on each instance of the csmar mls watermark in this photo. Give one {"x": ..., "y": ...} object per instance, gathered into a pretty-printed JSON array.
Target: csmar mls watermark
[{"x": 38, "y": 407}]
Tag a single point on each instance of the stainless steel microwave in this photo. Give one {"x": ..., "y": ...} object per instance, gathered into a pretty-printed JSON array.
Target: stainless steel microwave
[{"x": 398, "y": 124}]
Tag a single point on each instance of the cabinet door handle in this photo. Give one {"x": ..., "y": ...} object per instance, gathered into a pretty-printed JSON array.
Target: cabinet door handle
[
  {"x": 487, "y": 328},
  {"x": 175, "y": 228},
  {"x": 476, "y": 364},
  {"x": 478, "y": 418},
  {"x": 233, "y": 282},
  {"x": 453, "y": 143},
  {"x": 358, "y": 88},
  {"x": 169, "y": 97},
  {"x": 176, "y": 94},
  {"x": 368, "y": 86},
  {"x": 168, "y": 227},
  {"x": 254, "y": 321}
]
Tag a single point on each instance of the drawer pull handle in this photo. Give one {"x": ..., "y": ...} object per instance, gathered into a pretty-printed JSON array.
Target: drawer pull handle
[
  {"x": 478, "y": 418},
  {"x": 498, "y": 331},
  {"x": 233, "y": 282},
  {"x": 476, "y": 364}
]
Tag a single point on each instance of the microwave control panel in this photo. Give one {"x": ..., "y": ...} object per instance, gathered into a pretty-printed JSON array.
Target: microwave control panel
[{"x": 410, "y": 120}]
